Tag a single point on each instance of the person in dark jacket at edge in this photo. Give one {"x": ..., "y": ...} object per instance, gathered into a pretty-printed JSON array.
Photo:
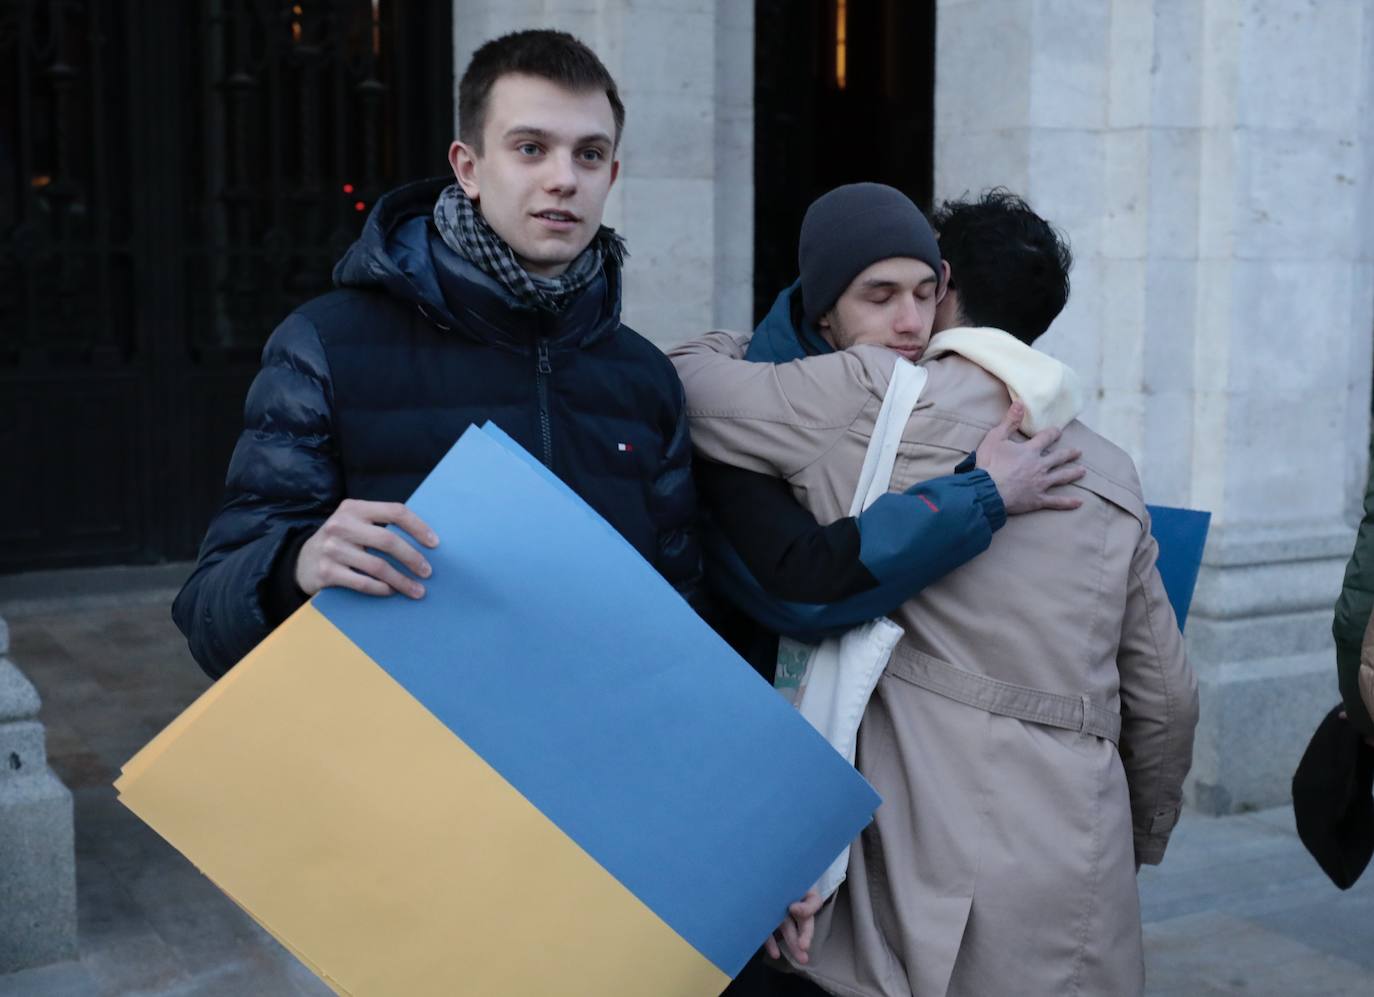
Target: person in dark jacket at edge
[{"x": 1352, "y": 617}]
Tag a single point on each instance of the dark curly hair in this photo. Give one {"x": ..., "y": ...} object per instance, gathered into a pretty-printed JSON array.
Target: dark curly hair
[
  {"x": 555, "y": 56},
  {"x": 1009, "y": 265}
]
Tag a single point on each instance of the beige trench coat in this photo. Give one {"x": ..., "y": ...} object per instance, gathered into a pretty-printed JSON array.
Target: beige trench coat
[{"x": 1003, "y": 858}]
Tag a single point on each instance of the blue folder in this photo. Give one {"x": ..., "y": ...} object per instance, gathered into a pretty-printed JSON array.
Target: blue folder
[{"x": 1181, "y": 535}]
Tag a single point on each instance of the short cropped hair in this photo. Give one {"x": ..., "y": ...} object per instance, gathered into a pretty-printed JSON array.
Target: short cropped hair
[
  {"x": 1009, "y": 265},
  {"x": 555, "y": 56}
]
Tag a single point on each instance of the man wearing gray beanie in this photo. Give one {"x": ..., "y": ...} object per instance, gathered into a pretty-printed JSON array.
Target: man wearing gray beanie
[
  {"x": 871, "y": 272},
  {"x": 846, "y": 233},
  {"x": 852, "y": 227},
  {"x": 1001, "y": 810}
]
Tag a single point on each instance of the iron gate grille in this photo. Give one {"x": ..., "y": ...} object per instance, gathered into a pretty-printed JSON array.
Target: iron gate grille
[{"x": 174, "y": 178}]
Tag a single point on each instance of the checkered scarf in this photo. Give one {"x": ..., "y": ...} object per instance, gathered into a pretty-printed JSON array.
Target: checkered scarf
[{"x": 468, "y": 234}]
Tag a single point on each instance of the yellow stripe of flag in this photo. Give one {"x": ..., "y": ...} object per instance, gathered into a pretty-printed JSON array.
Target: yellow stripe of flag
[{"x": 356, "y": 827}]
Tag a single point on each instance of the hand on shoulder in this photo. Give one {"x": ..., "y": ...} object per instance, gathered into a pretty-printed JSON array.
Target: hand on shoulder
[{"x": 1029, "y": 476}]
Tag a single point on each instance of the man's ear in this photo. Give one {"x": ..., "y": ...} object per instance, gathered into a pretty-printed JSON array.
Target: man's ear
[
  {"x": 949, "y": 312},
  {"x": 825, "y": 325},
  {"x": 944, "y": 281},
  {"x": 615, "y": 172},
  {"x": 464, "y": 160}
]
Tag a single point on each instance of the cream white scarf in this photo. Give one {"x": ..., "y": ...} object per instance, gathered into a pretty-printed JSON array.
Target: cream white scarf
[{"x": 1050, "y": 390}]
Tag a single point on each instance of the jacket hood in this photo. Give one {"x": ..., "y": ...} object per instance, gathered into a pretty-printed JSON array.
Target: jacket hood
[
  {"x": 400, "y": 252},
  {"x": 777, "y": 339},
  {"x": 1050, "y": 389}
]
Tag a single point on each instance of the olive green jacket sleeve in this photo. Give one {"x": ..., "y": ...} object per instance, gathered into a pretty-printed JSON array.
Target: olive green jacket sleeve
[
  {"x": 1353, "y": 611},
  {"x": 1365, "y": 679}
]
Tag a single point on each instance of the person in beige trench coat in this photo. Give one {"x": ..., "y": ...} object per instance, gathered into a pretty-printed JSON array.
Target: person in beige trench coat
[{"x": 1032, "y": 730}]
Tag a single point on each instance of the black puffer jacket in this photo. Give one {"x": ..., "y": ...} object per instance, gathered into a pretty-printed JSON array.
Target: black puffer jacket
[{"x": 364, "y": 389}]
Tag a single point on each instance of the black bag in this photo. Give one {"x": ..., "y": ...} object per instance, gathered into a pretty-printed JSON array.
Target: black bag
[{"x": 1333, "y": 799}]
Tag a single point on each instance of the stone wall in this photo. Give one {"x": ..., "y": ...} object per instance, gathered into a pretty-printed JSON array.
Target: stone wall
[
  {"x": 685, "y": 197},
  {"x": 37, "y": 857},
  {"x": 1212, "y": 164}
]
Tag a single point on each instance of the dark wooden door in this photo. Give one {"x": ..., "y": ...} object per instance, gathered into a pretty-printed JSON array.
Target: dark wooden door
[
  {"x": 844, "y": 91},
  {"x": 174, "y": 178}
]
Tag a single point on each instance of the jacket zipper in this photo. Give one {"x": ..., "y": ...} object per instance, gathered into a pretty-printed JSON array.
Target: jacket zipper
[{"x": 542, "y": 373}]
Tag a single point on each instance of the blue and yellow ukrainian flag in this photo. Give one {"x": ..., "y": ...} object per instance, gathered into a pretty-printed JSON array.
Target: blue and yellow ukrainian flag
[{"x": 545, "y": 777}]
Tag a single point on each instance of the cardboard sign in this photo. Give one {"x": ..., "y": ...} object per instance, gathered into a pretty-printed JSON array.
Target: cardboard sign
[{"x": 546, "y": 776}]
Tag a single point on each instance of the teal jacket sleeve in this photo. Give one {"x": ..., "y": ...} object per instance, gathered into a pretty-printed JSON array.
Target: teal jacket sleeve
[{"x": 907, "y": 540}]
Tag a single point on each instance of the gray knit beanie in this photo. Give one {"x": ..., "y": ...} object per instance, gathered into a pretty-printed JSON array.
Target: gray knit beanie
[{"x": 851, "y": 228}]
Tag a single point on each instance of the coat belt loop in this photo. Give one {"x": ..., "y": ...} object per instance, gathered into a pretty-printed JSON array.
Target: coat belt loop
[{"x": 1067, "y": 711}]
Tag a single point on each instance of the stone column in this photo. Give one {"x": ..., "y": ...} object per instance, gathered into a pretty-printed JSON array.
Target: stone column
[
  {"x": 685, "y": 197},
  {"x": 1212, "y": 164},
  {"x": 37, "y": 856}
]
